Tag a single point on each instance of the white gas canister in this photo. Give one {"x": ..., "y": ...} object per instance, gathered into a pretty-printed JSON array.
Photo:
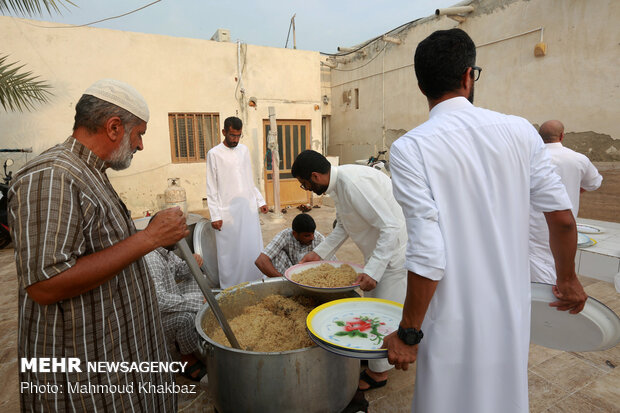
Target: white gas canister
[{"x": 175, "y": 195}]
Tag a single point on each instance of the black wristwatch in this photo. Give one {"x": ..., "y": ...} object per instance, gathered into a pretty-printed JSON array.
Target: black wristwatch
[{"x": 410, "y": 336}]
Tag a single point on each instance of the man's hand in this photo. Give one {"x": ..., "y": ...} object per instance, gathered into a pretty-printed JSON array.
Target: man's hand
[
  {"x": 167, "y": 227},
  {"x": 198, "y": 259},
  {"x": 311, "y": 256},
  {"x": 264, "y": 209},
  {"x": 571, "y": 296},
  {"x": 217, "y": 225},
  {"x": 366, "y": 282},
  {"x": 399, "y": 353},
  {"x": 264, "y": 264},
  {"x": 563, "y": 243}
]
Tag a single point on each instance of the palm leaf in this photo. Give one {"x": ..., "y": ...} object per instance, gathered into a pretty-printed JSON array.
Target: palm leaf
[
  {"x": 32, "y": 7},
  {"x": 20, "y": 90}
]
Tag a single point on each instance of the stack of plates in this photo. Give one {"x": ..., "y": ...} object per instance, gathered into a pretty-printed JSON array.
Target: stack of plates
[
  {"x": 354, "y": 327},
  {"x": 588, "y": 229},
  {"x": 583, "y": 241}
]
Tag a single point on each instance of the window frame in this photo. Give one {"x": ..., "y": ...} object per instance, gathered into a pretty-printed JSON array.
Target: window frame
[{"x": 175, "y": 147}]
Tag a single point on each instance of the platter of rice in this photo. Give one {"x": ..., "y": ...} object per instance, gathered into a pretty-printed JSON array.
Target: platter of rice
[{"x": 324, "y": 276}]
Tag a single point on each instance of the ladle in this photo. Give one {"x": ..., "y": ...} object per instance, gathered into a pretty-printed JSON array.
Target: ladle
[{"x": 202, "y": 283}]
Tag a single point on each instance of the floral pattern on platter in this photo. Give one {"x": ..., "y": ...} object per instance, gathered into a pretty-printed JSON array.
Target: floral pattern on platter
[
  {"x": 360, "y": 331},
  {"x": 354, "y": 327},
  {"x": 359, "y": 326}
]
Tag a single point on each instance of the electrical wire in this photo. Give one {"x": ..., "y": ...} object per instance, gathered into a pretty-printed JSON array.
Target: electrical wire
[
  {"x": 367, "y": 63},
  {"x": 97, "y": 21},
  {"x": 371, "y": 40}
]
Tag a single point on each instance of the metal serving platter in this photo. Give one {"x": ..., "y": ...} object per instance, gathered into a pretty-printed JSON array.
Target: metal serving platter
[
  {"x": 595, "y": 328},
  {"x": 289, "y": 273},
  {"x": 354, "y": 327}
]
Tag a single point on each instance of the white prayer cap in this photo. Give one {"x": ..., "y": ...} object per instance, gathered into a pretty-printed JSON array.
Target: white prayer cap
[{"x": 120, "y": 94}]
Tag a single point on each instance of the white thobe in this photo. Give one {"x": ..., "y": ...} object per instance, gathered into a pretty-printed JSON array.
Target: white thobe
[
  {"x": 465, "y": 180},
  {"x": 233, "y": 198},
  {"x": 576, "y": 171},
  {"x": 367, "y": 212}
]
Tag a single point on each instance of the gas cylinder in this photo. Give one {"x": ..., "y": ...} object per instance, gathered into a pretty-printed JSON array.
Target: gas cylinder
[{"x": 175, "y": 195}]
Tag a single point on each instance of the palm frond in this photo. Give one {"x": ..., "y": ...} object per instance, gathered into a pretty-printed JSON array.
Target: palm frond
[
  {"x": 31, "y": 8},
  {"x": 20, "y": 90}
]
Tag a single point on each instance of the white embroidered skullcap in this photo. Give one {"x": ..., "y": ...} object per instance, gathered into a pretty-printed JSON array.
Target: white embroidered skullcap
[{"x": 120, "y": 94}]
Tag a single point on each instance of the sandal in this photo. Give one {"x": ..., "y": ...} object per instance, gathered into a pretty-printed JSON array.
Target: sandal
[
  {"x": 370, "y": 381},
  {"x": 195, "y": 371}
]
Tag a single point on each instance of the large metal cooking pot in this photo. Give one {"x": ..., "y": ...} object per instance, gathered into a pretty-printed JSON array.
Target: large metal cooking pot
[{"x": 305, "y": 380}]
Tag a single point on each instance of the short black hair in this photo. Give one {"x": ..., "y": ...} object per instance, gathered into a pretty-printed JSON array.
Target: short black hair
[
  {"x": 441, "y": 59},
  {"x": 309, "y": 161},
  {"x": 233, "y": 122},
  {"x": 303, "y": 223}
]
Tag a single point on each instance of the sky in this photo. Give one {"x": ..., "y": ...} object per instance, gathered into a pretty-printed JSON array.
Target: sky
[{"x": 320, "y": 25}]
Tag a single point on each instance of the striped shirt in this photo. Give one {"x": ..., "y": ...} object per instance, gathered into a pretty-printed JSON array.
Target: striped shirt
[
  {"x": 62, "y": 207},
  {"x": 179, "y": 298},
  {"x": 176, "y": 288},
  {"x": 284, "y": 250}
]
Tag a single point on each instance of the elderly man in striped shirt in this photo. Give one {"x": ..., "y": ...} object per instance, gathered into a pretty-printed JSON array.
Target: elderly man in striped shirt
[{"x": 84, "y": 290}]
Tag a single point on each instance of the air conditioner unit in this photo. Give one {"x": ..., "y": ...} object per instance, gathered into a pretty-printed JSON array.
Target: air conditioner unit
[{"x": 221, "y": 35}]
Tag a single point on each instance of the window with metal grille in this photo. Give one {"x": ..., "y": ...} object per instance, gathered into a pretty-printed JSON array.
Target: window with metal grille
[{"x": 192, "y": 135}]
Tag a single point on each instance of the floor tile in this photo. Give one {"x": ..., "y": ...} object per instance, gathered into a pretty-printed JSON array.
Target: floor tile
[
  {"x": 9, "y": 390},
  {"x": 604, "y": 392},
  {"x": 399, "y": 382},
  {"x": 574, "y": 404},
  {"x": 586, "y": 281},
  {"x": 602, "y": 291},
  {"x": 606, "y": 360},
  {"x": 542, "y": 393},
  {"x": 394, "y": 403},
  {"x": 540, "y": 354},
  {"x": 567, "y": 372}
]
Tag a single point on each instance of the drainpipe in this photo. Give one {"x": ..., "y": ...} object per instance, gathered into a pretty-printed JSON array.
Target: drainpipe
[
  {"x": 454, "y": 10},
  {"x": 455, "y": 13},
  {"x": 272, "y": 144},
  {"x": 241, "y": 89},
  {"x": 382, "y": 101}
]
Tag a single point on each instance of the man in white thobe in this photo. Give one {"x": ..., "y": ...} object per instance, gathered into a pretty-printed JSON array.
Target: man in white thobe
[
  {"x": 367, "y": 212},
  {"x": 233, "y": 202},
  {"x": 578, "y": 175},
  {"x": 465, "y": 180}
]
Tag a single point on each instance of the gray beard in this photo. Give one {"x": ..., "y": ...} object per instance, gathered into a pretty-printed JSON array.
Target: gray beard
[{"x": 121, "y": 157}]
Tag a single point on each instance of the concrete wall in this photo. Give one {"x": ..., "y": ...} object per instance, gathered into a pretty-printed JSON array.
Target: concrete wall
[
  {"x": 577, "y": 82},
  {"x": 174, "y": 75}
]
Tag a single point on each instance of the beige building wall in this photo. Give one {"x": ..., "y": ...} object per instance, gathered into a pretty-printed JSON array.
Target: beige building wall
[
  {"x": 577, "y": 81},
  {"x": 174, "y": 75}
]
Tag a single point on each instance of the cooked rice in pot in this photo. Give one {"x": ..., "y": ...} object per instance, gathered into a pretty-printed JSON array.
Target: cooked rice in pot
[{"x": 276, "y": 323}]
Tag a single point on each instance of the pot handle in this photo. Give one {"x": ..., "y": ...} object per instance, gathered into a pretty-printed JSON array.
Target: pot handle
[{"x": 209, "y": 349}]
